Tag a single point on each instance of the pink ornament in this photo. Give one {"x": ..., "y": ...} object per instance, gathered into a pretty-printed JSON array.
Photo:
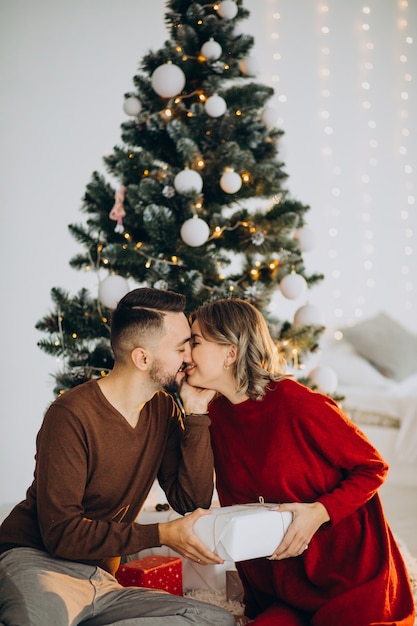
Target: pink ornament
[{"x": 118, "y": 212}]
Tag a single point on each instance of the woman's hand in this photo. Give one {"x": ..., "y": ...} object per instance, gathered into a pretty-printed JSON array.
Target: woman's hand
[
  {"x": 179, "y": 536},
  {"x": 195, "y": 399},
  {"x": 307, "y": 519}
]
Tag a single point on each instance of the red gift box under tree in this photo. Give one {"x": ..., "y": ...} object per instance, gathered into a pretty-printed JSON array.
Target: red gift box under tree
[{"x": 154, "y": 572}]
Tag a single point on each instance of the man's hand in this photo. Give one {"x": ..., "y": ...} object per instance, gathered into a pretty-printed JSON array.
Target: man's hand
[
  {"x": 179, "y": 536},
  {"x": 307, "y": 519},
  {"x": 195, "y": 399}
]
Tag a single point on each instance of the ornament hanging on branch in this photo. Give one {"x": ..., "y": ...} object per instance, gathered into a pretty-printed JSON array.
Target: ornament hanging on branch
[
  {"x": 112, "y": 289},
  {"x": 227, "y": 9},
  {"x": 308, "y": 315},
  {"x": 211, "y": 50},
  {"x": 269, "y": 117},
  {"x": 188, "y": 182},
  {"x": 230, "y": 181},
  {"x": 325, "y": 378},
  {"x": 168, "y": 80},
  {"x": 194, "y": 232},
  {"x": 132, "y": 106},
  {"x": 293, "y": 286},
  {"x": 305, "y": 238},
  {"x": 118, "y": 212},
  {"x": 215, "y": 106},
  {"x": 249, "y": 66}
]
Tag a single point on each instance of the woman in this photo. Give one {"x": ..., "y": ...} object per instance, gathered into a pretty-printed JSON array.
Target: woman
[{"x": 338, "y": 564}]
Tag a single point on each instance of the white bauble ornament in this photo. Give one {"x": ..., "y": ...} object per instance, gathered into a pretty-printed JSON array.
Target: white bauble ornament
[
  {"x": 188, "y": 182},
  {"x": 215, "y": 106},
  {"x": 227, "y": 9},
  {"x": 211, "y": 50},
  {"x": 230, "y": 182},
  {"x": 132, "y": 106},
  {"x": 168, "y": 80},
  {"x": 194, "y": 232},
  {"x": 269, "y": 117},
  {"x": 325, "y": 378},
  {"x": 112, "y": 289},
  {"x": 305, "y": 238},
  {"x": 249, "y": 66},
  {"x": 293, "y": 286},
  {"x": 308, "y": 315}
]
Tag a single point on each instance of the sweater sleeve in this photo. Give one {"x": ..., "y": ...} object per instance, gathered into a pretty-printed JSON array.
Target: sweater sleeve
[
  {"x": 69, "y": 528},
  {"x": 186, "y": 473},
  {"x": 357, "y": 468}
]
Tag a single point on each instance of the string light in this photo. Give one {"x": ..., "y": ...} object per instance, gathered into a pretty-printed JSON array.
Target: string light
[
  {"x": 334, "y": 198},
  {"x": 406, "y": 200},
  {"x": 367, "y": 164}
]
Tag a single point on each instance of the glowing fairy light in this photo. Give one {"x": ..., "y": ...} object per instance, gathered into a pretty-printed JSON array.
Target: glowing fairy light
[{"x": 406, "y": 198}]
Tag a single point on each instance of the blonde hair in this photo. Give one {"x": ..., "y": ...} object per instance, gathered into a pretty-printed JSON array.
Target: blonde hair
[{"x": 237, "y": 322}]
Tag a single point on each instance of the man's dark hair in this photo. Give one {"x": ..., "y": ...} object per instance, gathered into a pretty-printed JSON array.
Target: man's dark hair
[{"x": 140, "y": 313}]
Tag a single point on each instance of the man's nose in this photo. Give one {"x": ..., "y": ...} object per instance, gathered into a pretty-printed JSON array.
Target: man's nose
[{"x": 187, "y": 353}]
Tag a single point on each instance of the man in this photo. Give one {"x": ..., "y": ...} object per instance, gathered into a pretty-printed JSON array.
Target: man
[{"x": 99, "y": 450}]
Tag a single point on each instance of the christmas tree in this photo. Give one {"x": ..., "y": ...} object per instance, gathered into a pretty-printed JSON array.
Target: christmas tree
[{"x": 195, "y": 198}]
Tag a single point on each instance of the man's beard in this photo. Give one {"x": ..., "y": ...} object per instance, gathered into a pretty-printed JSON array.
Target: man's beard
[{"x": 162, "y": 379}]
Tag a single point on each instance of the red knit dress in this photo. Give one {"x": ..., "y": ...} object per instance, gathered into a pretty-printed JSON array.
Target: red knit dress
[{"x": 295, "y": 445}]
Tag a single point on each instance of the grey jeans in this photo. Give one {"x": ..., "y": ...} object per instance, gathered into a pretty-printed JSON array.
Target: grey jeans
[{"x": 37, "y": 589}]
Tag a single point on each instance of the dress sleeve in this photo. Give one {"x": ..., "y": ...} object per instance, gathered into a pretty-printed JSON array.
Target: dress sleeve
[{"x": 356, "y": 467}]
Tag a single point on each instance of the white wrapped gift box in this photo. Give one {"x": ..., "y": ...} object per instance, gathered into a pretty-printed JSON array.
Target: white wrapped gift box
[
  {"x": 194, "y": 576},
  {"x": 242, "y": 532}
]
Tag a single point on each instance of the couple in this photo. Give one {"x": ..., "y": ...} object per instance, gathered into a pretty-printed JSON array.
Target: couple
[{"x": 102, "y": 444}]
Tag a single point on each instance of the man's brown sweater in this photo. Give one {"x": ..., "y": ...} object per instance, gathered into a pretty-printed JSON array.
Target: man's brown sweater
[{"x": 94, "y": 471}]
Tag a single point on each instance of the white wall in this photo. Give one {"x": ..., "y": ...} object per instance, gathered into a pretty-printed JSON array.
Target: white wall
[{"x": 64, "y": 69}]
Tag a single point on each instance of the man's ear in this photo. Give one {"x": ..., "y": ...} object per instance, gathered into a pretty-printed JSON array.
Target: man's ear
[{"x": 140, "y": 358}]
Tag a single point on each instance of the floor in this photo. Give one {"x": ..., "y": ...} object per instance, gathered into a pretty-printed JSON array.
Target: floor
[{"x": 400, "y": 505}]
